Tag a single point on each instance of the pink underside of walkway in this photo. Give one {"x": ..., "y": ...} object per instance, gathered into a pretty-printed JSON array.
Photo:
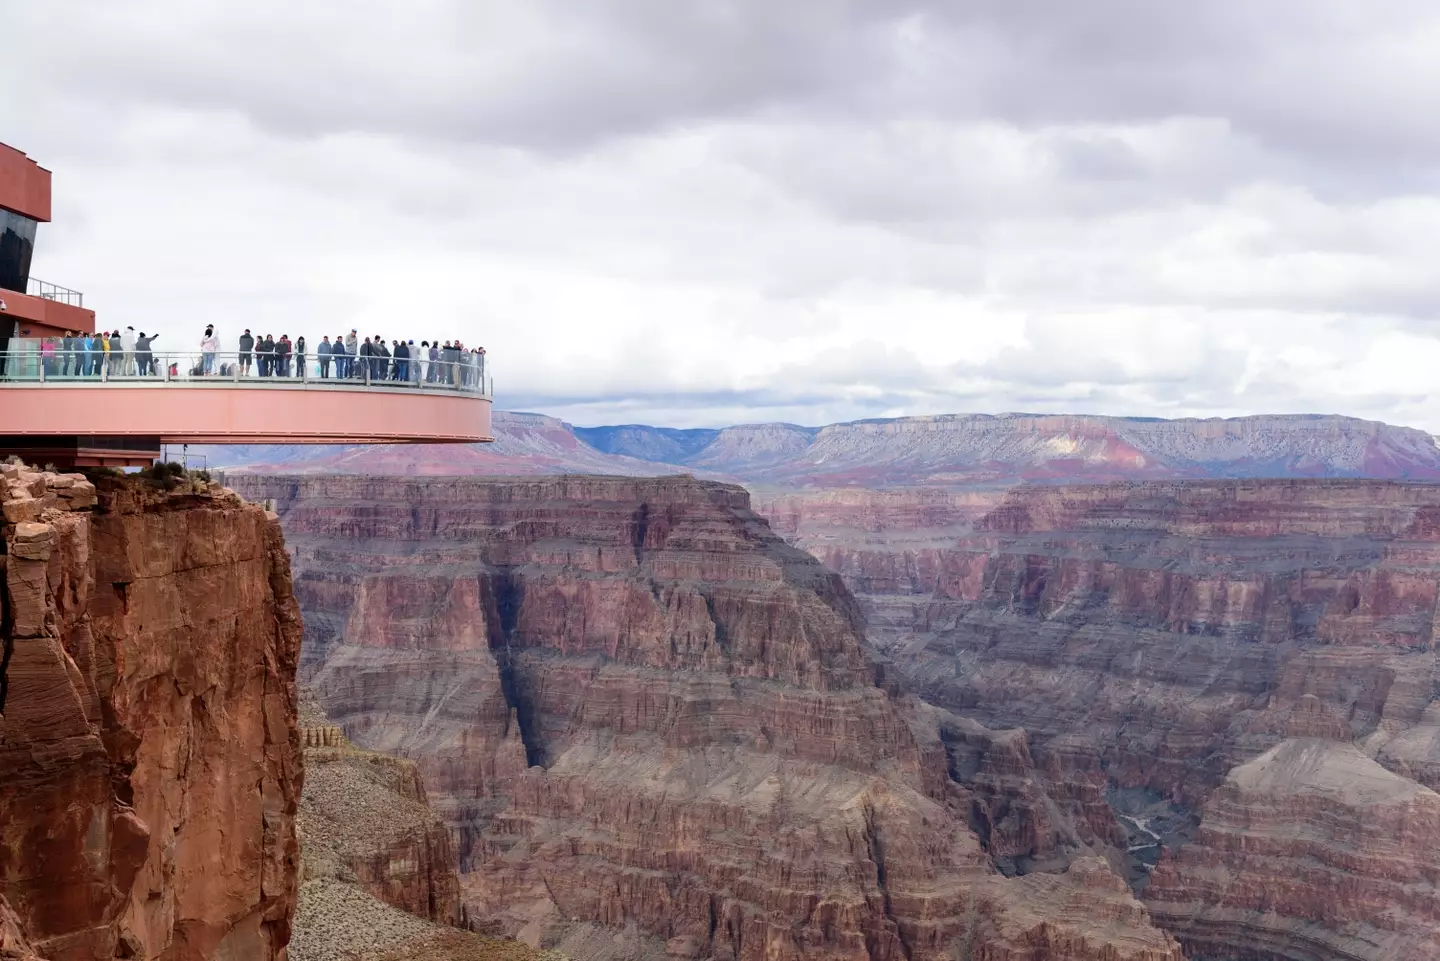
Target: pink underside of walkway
[{"x": 225, "y": 414}]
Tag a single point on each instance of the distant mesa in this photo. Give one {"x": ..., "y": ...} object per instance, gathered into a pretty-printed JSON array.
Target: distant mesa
[
  {"x": 947, "y": 451},
  {"x": 665, "y": 444}
]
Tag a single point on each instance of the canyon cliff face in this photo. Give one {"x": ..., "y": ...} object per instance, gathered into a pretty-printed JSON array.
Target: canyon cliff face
[
  {"x": 149, "y": 754},
  {"x": 1180, "y": 626},
  {"x": 646, "y": 718},
  {"x": 1311, "y": 850},
  {"x": 1152, "y": 641}
]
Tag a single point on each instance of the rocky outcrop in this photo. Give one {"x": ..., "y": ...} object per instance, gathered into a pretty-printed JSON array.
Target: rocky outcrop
[
  {"x": 379, "y": 872},
  {"x": 338, "y": 921},
  {"x": 1310, "y": 851},
  {"x": 149, "y": 755},
  {"x": 364, "y": 819},
  {"x": 1030, "y": 815},
  {"x": 642, "y": 713}
]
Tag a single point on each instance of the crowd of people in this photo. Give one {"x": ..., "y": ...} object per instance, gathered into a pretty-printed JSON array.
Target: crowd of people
[
  {"x": 126, "y": 353},
  {"x": 116, "y": 353},
  {"x": 352, "y": 357}
]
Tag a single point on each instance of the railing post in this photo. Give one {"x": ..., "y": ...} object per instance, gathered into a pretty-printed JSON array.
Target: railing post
[
  {"x": 165, "y": 362},
  {"x": 42, "y": 368},
  {"x": 235, "y": 370},
  {"x": 367, "y": 371}
]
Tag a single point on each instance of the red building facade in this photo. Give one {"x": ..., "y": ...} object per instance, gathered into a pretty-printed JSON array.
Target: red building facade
[{"x": 33, "y": 308}]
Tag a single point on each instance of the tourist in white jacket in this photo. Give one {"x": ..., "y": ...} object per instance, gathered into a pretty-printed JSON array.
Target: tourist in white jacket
[
  {"x": 127, "y": 344},
  {"x": 209, "y": 344}
]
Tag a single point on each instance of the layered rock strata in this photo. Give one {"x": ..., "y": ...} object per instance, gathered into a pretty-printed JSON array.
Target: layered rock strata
[
  {"x": 1311, "y": 850},
  {"x": 1174, "y": 631},
  {"x": 1162, "y": 636},
  {"x": 149, "y": 754},
  {"x": 638, "y": 709},
  {"x": 1029, "y": 815}
]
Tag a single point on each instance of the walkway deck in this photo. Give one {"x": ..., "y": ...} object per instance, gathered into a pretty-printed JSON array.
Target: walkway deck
[{"x": 178, "y": 405}]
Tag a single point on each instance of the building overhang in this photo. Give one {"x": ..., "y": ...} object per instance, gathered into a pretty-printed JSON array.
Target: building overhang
[{"x": 42, "y": 317}]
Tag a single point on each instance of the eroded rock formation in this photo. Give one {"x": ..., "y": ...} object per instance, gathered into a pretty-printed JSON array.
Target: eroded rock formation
[
  {"x": 639, "y": 709},
  {"x": 1179, "y": 629},
  {"x": 379, "y": 875},
  {"x": 1162, "y": 636},
  {"x": 364, "y": 819},
  {"x": 149, "y": 755},
  {"x": 1311, "y": 850}
]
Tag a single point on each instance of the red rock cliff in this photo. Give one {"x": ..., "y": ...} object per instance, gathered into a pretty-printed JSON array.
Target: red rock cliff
[
  {"x": 1158, "y": 640},
  {"x": 149, "y": 755},
  {"x": 645, "y": 716},
  {"x": 1311, "y": 850}
]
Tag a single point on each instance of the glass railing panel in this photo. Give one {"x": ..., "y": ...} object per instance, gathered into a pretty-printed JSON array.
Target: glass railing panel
[{"x": 32, "y": 363}]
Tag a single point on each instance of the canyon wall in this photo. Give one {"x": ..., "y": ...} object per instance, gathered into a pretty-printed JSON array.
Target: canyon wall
[
  {"x": 648, "y": 720},
  {"x": 149, "y": 756},
  {"x": 1163, "y": 637},
  {"x": 1177, "y": 626},
  {"x": 1311, "y": 850}
]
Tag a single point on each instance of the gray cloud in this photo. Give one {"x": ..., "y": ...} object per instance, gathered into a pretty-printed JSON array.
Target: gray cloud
[
  {"x": 1328, "y": 80},
  {"x": 697, "y": 213}
]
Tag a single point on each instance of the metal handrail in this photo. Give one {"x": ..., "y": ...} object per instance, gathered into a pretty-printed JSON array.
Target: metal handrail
[
  {"x": 34, "y": 365},
  {"x": 48, "y": 291}
]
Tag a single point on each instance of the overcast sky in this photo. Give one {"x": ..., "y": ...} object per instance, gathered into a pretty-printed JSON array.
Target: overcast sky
[{"x": 702, "y": 213}]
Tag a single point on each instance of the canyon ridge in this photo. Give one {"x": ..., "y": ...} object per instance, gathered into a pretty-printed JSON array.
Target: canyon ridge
[
  {"x": 150, "y": 767},
  {"x": 953, "y": 451},
  {"x": 1101, "y": 666},
  {"x": 656, "y": 730},
  {"x": 939, "y": 710}
]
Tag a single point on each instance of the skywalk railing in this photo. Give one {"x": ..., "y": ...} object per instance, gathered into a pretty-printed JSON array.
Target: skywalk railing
[
  {"x": 463, "y": 372},
  {"x": 48, "y": 291}
]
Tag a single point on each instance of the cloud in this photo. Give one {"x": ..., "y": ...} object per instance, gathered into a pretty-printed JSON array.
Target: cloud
[{"x": 710, "y": 212}]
